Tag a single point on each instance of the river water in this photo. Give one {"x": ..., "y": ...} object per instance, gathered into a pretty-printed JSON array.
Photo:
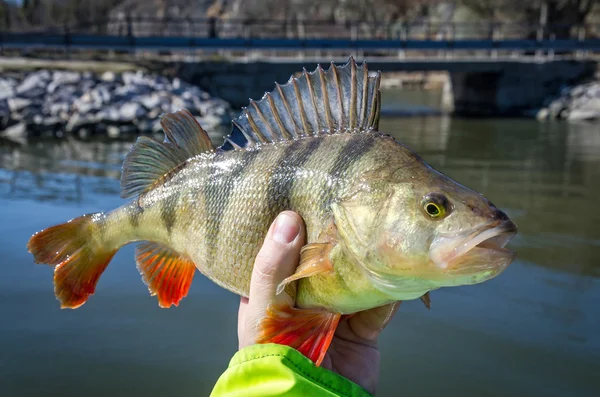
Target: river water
[{"x": 532, "y": 331}]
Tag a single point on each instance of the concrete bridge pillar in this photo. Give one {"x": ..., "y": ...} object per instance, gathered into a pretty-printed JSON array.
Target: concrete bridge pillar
[{"x": 517, "y": 89}]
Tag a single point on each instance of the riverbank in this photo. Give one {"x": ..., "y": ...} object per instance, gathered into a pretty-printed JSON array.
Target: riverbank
[
  {"x": 576, "y": 103},
  {"x": 85, "y": 103}
]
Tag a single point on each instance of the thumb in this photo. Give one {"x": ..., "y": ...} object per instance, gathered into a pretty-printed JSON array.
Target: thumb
[{"x": 276, "y": 260}]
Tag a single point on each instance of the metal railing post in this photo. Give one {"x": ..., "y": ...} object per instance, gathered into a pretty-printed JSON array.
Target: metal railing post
[{"x": 67, "y": 41}]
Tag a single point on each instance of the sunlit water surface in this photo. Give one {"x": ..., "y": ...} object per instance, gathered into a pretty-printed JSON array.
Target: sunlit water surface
[{"x": 532, "y": 331}]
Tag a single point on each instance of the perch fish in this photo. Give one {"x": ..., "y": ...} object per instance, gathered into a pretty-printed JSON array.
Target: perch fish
[{"x": 382, "y": 225}]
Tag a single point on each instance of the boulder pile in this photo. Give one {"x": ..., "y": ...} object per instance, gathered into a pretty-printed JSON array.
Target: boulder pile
[
  {"x": 580, "y": 102},
  {"x": 58, "y": 103}
]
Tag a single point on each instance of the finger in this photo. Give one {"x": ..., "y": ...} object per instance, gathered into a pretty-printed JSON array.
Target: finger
[
  {"x": 242, "y": 317},
  {"x": 368, "y": 324},
  {"x": 276, "y": 260}
]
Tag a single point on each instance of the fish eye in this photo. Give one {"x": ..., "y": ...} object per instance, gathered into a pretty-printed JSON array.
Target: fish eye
[{"x": 435, "y": 205}]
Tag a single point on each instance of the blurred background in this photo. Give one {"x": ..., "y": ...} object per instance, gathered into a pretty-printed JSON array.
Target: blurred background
[{"x": 502, "y": 96}]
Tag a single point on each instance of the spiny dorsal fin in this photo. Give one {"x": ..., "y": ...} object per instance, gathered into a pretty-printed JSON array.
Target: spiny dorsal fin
[
  {"x": 150, "y": 162},
  {"x": 341, "y": 99}
]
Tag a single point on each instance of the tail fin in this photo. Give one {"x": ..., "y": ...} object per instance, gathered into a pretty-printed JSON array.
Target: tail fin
[{"x": 77, "y": 254}]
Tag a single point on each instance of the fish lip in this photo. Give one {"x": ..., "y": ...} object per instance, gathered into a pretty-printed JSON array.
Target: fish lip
[{"x": 492, "y": 236}]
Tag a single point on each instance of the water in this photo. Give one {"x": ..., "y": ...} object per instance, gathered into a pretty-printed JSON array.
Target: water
[{"x": 533, "y": 331}]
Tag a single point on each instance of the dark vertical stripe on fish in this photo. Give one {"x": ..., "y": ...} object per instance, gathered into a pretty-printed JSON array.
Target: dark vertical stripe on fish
[
  {"x": 283, "y": 177},
  {"x": 134, "y": 214},
  {"x": 168, "y": 210},
  {"x": 217, "y": 193},
  {"x": 356, "y": 147}
]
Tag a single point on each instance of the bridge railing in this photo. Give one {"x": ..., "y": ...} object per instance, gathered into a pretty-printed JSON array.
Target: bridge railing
[
  {"x": 131, "y": 25},
  {"x": 134, "y": 31}
]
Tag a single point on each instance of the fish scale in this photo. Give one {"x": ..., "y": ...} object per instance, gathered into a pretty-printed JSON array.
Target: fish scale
[{"x": 382, "y": 225}]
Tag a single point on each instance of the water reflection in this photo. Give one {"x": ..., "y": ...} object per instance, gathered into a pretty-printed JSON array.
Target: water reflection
[{"x": 533, "y": 329}]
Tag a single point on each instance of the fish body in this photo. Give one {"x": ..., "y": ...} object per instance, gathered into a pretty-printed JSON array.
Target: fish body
[{"x": 382, "y": 225}]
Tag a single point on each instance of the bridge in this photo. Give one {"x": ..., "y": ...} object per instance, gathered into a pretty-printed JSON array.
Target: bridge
[
  {"x": 167, "y": 34},
  {"x": 498, "y": 69}
]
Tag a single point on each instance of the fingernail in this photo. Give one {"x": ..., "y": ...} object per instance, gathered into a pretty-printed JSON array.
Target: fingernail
[{"x": 286, "y": 229}]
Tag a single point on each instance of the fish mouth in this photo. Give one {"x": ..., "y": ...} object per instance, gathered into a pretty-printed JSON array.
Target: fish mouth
[{"x": 479, "y": 251}]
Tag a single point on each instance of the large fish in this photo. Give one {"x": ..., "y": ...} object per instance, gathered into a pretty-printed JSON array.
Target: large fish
[{"x": 382, "y": 225}]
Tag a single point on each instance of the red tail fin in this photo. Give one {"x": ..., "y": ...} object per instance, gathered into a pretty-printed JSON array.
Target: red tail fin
[{"x": 78, "y": 258}]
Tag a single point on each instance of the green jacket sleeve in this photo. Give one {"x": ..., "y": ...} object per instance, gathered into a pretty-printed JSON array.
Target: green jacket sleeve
[{"x": 277, "y": 370}]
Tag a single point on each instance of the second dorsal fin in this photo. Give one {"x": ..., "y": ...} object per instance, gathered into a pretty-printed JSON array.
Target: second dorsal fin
[
  {"x": 343, "y": 98},
  {"x": 150, "y": 162}
]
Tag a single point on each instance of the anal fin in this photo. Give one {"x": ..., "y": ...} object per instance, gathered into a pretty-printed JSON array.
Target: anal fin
[
  {"x": 167, "y": 273},
  {"x": 314, "y": 259},
  {"x": 309, "y": 331}
]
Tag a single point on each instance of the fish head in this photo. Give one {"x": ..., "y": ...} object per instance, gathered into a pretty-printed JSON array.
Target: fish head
[{"x": 416, "y": 230}]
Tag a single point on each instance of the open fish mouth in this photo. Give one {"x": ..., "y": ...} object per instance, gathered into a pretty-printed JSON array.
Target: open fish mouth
[{"x": 481, "y": 251}]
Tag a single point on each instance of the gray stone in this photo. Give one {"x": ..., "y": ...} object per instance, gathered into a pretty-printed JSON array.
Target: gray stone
[
  {"x": 17, "y": 104},
  {"x": 113, "y": 131},
  {"x": 77, "y": 121},
  {"x": 62, "y": 78},
  {"x": 144, "y": 126},
  {"x": 33, "y": 81},
  {"x": 7, "y": 88},
  {"x": 150, "y": 101},
  {"x": 16, "y": 131},
  {"x": 110, "y": 114},
  {"x": 131, "y": 110},
  {"x": 58, "y": 109},
  {"x": 100, "y": 95},
  {"x": 210, "y": 121},
  {"x": 583, "y": 114},
  {"x": 108, "y": 76},
  {"x": 542, "y": 114}
]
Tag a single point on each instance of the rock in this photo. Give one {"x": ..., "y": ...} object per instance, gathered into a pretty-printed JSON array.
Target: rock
[
  {"x": 542, "y": 114},
  {"x": 210, "y": 121},
  {"x": 52, "y": 121},
  {"x": 34, "y": 81},
  {"x": 117, "y": 104},
  {"x": 58, "y": 109},
  {"x": 151, "y": 101},
  {"x": 100, "y": 95},
  {"x": 108, "y": 115},
  {"x": 4, "y": 108},
  {"x": 156, "y": 127},
  {"x": 108, "y": 77},
  {"x": 131, "y": 110},
  {"x": 7, "y": 88},
  {"x": 176, "y": 83},
  {"x": 144, "y": 126},
  {"x": 17, "y": 104},
  {"x": 62, "y": 78},
  {"x": 134, "y": 79},
  {"x": 583, "y": 114},
  {"x": 78, "y": 121},
  {"x": 16, "y": 131},
  {"x": 113, "y": 131}
]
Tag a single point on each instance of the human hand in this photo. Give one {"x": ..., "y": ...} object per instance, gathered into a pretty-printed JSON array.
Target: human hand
[{"x": 353, "y": 352}]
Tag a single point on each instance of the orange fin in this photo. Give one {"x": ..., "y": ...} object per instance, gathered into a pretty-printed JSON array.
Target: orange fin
[
  {"x": 167, "y": 273},
  {"x": 426, "y": 300},
  {"x": 79, "y": 261},
  {"x": 309, "y": 331},
  {"x": 314, "y": 259}
]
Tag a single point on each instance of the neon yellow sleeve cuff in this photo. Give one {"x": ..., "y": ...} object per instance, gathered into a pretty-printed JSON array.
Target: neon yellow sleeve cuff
[{"x": 277, "y": 370}]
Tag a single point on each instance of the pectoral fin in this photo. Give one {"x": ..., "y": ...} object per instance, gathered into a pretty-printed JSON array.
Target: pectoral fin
[
  {"x": 309, "y": 331},
  {"x": 314, "y": 259}
]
